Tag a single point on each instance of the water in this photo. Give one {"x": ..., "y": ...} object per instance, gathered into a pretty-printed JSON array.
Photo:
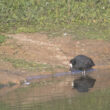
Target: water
[
  {"x": 56, "y": 93},
  {"x": 57, "y": 74},
  {"x": 84, "y": 83}
]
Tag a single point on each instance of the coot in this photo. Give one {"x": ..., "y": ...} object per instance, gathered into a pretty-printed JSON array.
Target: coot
[{"x": 82, "y": 63}]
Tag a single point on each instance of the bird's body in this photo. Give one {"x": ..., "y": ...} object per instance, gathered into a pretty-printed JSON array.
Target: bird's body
[{"x": 81, "y": 62}]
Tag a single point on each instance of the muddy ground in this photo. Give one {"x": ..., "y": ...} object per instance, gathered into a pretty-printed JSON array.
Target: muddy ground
[{"x": 55, "y": 51}]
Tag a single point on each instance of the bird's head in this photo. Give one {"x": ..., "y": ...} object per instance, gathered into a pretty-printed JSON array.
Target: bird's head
[{"x": 71, "y": 64}]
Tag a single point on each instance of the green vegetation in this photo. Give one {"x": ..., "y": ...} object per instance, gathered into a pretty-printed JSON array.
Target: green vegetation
[
  {"x": 2, "y": 39},
  {"x": 23, "y": 64},
  {"x": 29, "y": 65},
  {"x": 88, "y": 18}
]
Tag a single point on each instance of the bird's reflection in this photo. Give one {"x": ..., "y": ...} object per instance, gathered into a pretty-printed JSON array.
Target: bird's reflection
[{"x": 83, "y": 84}]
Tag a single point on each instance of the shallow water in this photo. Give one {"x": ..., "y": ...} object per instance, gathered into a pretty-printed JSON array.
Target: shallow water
[
  {"x": 57, "y": 74},
  {"x": 33, "y": 96}
]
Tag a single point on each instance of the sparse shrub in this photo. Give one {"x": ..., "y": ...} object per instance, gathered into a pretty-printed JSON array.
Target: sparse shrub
[{"x": 2, "y": 39}]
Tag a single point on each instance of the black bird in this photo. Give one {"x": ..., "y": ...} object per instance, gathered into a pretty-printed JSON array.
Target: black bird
[{"x": 81, "y": 62}]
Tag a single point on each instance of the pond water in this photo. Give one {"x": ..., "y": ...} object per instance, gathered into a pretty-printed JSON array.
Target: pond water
[{"x": 56, "y": 93}]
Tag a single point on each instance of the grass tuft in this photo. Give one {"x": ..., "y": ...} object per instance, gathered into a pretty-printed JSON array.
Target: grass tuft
[
  {"x": 32, "y": 66},
  {"x": 2, "y": 39},
  {"x": 23, "y": 64}
]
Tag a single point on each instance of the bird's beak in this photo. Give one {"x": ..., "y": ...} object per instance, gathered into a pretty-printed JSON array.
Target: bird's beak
[{"x": 70, "y": 67}]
